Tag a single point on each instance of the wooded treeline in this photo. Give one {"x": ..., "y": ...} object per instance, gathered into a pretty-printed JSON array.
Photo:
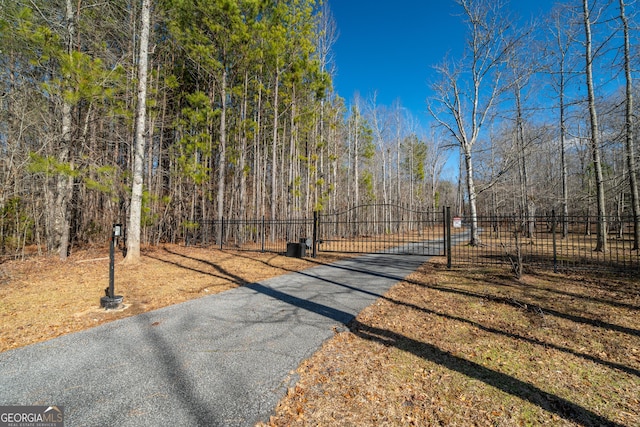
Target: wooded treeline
[
  {"x": 543, "y": 112},
  {"x": 243, "y": 122}
]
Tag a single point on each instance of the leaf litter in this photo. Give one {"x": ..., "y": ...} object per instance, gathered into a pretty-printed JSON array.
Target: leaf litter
[
  {"x": 444, "y": 347},
  {"x": 478, "y": 347}
]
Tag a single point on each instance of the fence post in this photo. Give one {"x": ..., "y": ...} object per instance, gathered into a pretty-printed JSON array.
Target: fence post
[
  {"x": 444, "y": 230},
  {"x": 555, "y": 244},
  {"x": 316, "y": 219},
  {"x": 221, "y": 231},
  {"x": 448, "y": 225},
  {"x": 262, "y": 236}
]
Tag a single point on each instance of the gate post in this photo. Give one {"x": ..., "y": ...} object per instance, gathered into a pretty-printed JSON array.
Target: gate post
[
  {"x": 262, "y": 236},
  {"x": 448, "y": 233},
  {"x": 444, "y": 230},
  {"x": 316, "y": 219},
  {"x": 555, "y": 243},
  {"x": 221, "y": 232}
]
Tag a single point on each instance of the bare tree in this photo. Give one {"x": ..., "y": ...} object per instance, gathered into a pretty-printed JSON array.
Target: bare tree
[
  {"x": 462, "y": 105},
  {"x": 399, "y": 124},
  {"x": 629, "y": 123},
  {"x": 521, "y": 70},
  {"x": 435, "y": 162},
  {"x": 355, "y": 138},
  {"x": 380, "y": 128},
  {"x": 601, "y": 229},
  {"x": 133, "y": 229},
  {"x": 561, "y": 64}
]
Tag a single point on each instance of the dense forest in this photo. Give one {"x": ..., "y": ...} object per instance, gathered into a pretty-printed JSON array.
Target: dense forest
[{"x": 240, "y": 120}]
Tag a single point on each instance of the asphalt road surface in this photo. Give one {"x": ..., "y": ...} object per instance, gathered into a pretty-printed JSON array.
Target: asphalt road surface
[{"x": 221, "y": 360}]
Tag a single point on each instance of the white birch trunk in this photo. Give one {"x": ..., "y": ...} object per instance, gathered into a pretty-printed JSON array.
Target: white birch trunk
[{"x": 135, "y": 214}]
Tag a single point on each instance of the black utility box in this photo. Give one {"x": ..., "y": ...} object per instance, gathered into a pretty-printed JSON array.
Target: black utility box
[{"x": 296, "y": 250}]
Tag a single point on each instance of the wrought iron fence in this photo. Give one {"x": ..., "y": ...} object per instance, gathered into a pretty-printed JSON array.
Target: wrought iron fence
[
  {"x": 369, "y": 228},
  {"x": 262, "y": 234},
  {"x": 377, "y": 228},
  {"x": 549, "y": 241},
  {"x": 544, "y": 241}
]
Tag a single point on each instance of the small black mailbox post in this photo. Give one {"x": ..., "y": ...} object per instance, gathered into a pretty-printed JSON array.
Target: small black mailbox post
[{"x": 111, "y": 300}]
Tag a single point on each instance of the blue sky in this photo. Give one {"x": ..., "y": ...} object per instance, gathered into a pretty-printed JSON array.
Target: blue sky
[{"x": 390, "y": 47}]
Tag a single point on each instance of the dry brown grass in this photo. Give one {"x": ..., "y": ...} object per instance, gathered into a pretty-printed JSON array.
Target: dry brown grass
[
  {"x": 576, "y": 251},
  {"x": 43, "y": 298},
  {"x": 462, "y": 347},
  {"x": 477, "y": 347}
]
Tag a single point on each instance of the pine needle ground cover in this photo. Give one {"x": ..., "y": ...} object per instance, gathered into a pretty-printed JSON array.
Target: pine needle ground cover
[
  {"x": 478, "y": 347},
  {"x": 42, "y": 298}
]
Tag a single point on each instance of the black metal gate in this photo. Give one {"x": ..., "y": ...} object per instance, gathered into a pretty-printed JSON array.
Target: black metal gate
[
  {"x": 396, "y": 229},
  {"x": 382, "y": 228},
  {"x": 375, "y": 228}
]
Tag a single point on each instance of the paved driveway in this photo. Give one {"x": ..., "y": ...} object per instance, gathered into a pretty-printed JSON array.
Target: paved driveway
[{"x": 221, "y": 360}]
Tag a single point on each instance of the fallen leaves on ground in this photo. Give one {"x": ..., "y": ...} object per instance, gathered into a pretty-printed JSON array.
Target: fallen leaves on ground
[{"x": 478, "y": 347}]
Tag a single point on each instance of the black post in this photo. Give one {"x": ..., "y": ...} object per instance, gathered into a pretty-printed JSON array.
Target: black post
[
  {"x": 262, "y": 237},
  {"x": 444, "y": 227},
  {"x": 111, "y": 266},
  {"x": 221, "y": 231},
  {"x": 316, "y": 219},
  {"x": 448, "y": 233},
  {"x": 111, "y": 300},
  {"x": 555, "y": 245}
]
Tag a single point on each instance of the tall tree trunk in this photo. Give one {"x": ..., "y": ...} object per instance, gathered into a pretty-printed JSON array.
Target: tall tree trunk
[
  {"x": 64, "y": 183},
  {"x": 564, "y": 36},
  {"x": 291, "y": 189},
  {"x": 601, "y": 238},
  {"x": 135, "y": 214},
  {"x": 356, "y": 159},
  {"x": 258, "y": 161},
  {"x": 398, "y": 130},
  {"x": 527, "y": 204},
  {"x": 465, "y": 111},
  {"x": 629, "y": 123},
  {"x": 243, "y": 149},
  {"x": 471, "y": 189},
  {"x": 563, "y": 154},
  {"x": 222, "y": 152},
  {"x": 274, "y": 147},
  {"x": 349, "y": 198}
]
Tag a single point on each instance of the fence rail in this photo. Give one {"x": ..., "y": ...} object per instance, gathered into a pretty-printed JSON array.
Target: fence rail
[
  {"x": 374, "y": 228},
  {"x": 251, "y": 235},
  {"x": 544, "y": 241},
  {"x": 548, "y": 241}
]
